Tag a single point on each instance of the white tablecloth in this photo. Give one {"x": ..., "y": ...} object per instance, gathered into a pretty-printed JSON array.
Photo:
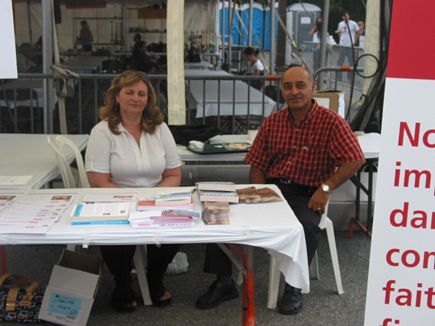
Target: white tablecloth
[
  {"x": 272, "y": 226},
  {"x": 30, "y": 154},
  {"x": 208, "y": 105}
]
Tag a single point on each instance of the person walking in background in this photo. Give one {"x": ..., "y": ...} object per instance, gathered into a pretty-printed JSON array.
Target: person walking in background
[
  {"x": 85, "y": 38},
  {"x": 347, "y": 30},
  {"x": 132, "y": 147}
]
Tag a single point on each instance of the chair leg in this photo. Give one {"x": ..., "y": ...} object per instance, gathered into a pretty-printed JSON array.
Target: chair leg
[
  {"x": 314, "y": 267},
  {"x": 239, "y": 280},
  {"x": 274, "y": 278},
  {"x": 140, "y": 263},
  {"x": 334, "y": 256},
  {"x": 71, "y": 247}
]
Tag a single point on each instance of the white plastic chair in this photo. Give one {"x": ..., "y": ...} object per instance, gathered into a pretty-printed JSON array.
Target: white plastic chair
[
  {"x": 69, "y": 181},
  {"x": 274, "y": 273},
  {"x": 57, "y": 143}
]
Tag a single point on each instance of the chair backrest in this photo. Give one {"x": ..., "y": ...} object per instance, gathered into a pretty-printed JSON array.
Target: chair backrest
[
  {"x": 324, "y": 218},
  {"x": 58, "y": 143}
]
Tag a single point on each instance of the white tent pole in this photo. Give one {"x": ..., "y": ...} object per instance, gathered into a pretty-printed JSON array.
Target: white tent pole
[
  {"x": 175, "y": 43},
  {"x": 372, "y": 42}
]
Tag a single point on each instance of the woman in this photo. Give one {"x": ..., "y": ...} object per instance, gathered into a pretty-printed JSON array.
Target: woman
[
  {"x": 133, "y": 147},
  {"x": 316, "y": 30}
]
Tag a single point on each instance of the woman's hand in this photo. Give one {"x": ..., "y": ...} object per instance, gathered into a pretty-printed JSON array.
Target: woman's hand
[
  {"x": 101, "y": 180},
  {"x": 171, "y": 178}
]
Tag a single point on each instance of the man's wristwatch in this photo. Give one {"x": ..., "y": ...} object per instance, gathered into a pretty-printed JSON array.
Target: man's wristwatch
[{"x": 325, "y": 188}]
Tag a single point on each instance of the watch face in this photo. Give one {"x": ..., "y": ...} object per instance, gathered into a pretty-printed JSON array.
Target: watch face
[{"x": 325, "y": 188}]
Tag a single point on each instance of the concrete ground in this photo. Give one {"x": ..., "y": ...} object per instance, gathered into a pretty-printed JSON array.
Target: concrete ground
[{"x": 322, "y": 305}]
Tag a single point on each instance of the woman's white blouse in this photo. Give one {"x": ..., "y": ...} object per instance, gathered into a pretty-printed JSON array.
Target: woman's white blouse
[{"x": 131, "y": 165}]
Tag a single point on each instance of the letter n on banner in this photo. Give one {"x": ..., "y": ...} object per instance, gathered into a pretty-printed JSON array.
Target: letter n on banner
[
  {"x": 175, "y": 48},
  {"x": 401, "y": 281}
]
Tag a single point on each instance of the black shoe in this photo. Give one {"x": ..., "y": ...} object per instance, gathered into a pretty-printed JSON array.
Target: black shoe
[
  {"x": 291, "y": 302},
  {"x": 217, "y": 293},
  {"x": 124, "y": 300}
]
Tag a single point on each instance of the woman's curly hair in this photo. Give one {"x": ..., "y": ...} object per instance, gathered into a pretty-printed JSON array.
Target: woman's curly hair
[{"x": 110, "y": 111}]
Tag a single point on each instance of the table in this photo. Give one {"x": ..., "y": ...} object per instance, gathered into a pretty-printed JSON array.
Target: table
[
  {"x": 370, "y": 145},
  {"x": 215, "y": 102},
  {"x": 85, "y": 64},
  {"x": 280, "y": 233},
  {"x": 30, "y": 154},
  {"x": 205, "y": 65},
  {"x": 22, "y": 92}
]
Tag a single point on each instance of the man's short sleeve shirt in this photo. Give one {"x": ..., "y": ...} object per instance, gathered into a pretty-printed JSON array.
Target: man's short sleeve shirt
[{"x": 307, "y": 154}]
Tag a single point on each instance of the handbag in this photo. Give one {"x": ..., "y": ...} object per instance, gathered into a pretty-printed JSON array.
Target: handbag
[{"x": 20, "y": 299}]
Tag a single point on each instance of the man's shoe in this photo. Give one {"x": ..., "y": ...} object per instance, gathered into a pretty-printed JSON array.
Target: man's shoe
[
  {"x": 291, "y": 302},
  {"x": 217, "y": 293}
]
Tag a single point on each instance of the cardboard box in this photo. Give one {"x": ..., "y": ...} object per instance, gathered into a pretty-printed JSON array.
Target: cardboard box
[
  {"x": 71, "y": 290},
  {"x": 332, "y": 100}
]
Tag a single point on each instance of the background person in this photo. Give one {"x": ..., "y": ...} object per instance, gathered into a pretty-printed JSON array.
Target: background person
[
  {"x": 361, "y": 35},
  {"x": 141, "y": 60},
  {"x": 85, "y": 37},
  {"x": 133, "y": 147},
  {"x": 316, "y": 32},
  {"x": 346, "y": 31},
  {"x": 26, "y": 61},
  {"x": 255, "y": 66}
]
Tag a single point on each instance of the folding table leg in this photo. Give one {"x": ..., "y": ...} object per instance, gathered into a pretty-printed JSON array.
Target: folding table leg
[
  {"x": 248, "y": 300},
  {"x": 248, "y": 305},
  {"x": 3, "y": 260}
]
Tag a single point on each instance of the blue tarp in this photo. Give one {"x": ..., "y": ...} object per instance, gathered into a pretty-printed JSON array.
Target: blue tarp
[{"x": 260, "y": 27}]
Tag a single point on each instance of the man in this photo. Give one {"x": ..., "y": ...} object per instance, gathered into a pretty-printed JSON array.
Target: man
[
  {"x": 347, "y": 31},
  {"x": 307, "y": 151}
]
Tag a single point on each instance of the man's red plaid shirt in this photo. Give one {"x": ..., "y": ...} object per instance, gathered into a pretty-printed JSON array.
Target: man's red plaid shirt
[{"x": 307, "y": 154}]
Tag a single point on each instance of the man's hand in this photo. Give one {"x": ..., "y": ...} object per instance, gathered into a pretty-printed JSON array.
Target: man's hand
[{"x": 318, "y": 201}]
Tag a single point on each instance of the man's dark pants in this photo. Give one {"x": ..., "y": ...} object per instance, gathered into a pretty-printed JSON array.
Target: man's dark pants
[{"x": 297, "y": 196}]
